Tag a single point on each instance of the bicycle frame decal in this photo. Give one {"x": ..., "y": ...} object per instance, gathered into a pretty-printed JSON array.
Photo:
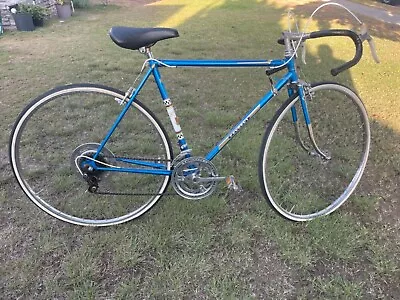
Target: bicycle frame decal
[
  {"x": 236, "y": 129},
  {"x": 169, "y": 107}
]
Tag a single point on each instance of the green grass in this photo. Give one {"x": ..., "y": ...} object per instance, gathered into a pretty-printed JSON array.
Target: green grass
[
  {"x": 337, "y": 287},
  {"x": 226, "y": 246}
]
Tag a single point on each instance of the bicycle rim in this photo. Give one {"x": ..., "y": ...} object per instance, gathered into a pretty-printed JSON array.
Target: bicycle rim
[
  {"x": 66, "y": 122},
  {"x": 300, "y": 184}
]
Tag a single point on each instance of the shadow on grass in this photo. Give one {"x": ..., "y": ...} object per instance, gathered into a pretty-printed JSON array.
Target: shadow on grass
[{"x": 328, "y": 14}]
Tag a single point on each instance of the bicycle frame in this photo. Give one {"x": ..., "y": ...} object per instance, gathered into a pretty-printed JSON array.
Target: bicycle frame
[{"x": 156, "y": 168}]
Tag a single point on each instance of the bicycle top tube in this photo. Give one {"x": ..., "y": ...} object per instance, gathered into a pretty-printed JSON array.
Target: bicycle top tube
[{"x": 231, "y": 63}]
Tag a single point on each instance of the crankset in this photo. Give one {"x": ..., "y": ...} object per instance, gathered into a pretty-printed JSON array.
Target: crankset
[{"x": 195, "y": 178}]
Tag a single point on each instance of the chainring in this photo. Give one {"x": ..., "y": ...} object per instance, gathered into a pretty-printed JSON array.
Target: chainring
[{"x": 192, "y": 178}]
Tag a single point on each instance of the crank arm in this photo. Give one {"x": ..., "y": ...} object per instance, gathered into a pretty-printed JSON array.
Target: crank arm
[{"x": 208, "y": 179}]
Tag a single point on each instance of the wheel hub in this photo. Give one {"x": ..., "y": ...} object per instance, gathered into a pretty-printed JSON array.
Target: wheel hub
[{"x": 81, "y": 161}]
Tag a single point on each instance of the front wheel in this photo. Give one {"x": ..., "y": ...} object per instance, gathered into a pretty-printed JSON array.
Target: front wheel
[
  {"x": 61, "y": 129},
  {"x": 303, "y": 181}
]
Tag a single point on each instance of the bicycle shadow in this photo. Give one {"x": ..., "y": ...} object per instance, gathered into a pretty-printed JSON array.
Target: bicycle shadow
[{"x": 381, "y": 176}]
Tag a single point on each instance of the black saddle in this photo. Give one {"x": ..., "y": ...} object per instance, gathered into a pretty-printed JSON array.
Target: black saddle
[{"x": 135, "y": 38}]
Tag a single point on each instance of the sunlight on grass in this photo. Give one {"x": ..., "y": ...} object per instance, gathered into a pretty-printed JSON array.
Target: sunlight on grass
[
  {"x": 286, "y": 4},
  {"x": 188, "y": 9}
]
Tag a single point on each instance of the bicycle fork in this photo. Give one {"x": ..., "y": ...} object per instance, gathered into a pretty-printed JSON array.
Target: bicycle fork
[{"x": 304, "y": 93}]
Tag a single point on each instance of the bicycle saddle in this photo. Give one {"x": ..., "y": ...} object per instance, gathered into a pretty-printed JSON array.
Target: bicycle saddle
[{"x": 135, "y": 38}]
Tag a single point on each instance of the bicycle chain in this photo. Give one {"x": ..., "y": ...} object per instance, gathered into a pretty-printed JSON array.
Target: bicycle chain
[
  {"x": 140, "y": 158},
  {"x": 135, "y": 194}
]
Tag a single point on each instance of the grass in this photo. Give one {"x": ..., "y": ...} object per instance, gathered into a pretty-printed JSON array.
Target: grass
[{"x": 225, "y": 246}]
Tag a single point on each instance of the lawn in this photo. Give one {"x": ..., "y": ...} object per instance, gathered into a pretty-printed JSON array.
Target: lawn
[{"x": 228, "y": 245}]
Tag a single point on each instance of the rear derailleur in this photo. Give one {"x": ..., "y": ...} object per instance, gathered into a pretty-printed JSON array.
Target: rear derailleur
[{"x": 91, "y": 179}]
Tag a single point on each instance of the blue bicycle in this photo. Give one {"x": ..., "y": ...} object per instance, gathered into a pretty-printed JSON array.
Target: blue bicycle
[{"x": 92, "y": 155}]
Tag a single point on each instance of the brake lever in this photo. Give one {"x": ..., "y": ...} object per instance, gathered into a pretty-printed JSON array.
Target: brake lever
[{"x": 364, "y": 35}]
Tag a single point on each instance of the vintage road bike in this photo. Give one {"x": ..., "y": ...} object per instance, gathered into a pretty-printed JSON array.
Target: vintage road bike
[{"x": 92, "y": 155}]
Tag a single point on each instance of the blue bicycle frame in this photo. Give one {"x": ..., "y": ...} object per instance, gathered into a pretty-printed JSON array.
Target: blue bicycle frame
[{"x": 156, "y": 168}]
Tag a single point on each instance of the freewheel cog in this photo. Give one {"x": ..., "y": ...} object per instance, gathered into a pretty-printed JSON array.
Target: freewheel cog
[
  {"x": 195, "y": 178},
  {"x": 89, "y": 150}
]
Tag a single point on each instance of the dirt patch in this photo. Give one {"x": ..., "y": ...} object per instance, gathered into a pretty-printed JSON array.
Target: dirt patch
[{"x": 356, "y": 273}]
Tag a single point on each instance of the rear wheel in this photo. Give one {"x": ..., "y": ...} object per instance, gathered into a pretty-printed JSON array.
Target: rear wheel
[
  {"x": 299, "y": 183},
  {"x": 61, "y": 129}
]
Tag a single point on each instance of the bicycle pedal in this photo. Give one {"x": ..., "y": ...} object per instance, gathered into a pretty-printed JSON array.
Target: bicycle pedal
[{"x": 232, "y": 184}]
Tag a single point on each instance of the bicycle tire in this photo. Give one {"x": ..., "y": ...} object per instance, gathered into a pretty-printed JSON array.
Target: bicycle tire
[
  {"x": 56, "y": 127},
  {"x": 301, "y": 185}
]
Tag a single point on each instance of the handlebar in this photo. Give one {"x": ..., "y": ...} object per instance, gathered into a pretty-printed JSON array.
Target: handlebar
[
  {"x": 342, "y": 32},
  {"x": 288, "y": 36}
]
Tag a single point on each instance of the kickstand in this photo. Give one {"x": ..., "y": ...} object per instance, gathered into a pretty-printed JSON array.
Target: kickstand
[{"x": 232, "y": 185}]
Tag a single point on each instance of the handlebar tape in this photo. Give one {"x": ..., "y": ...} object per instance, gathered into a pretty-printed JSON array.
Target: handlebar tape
[{"x": 342, "y": 32}]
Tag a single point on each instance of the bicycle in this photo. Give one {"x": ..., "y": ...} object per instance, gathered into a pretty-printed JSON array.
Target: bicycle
[{"x": 74, "y": 169}]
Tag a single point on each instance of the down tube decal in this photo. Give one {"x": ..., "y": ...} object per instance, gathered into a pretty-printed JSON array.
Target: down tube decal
[{"x": 236, "y": 129}]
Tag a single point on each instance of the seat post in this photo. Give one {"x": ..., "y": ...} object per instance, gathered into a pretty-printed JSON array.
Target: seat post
[{"x": 146, "y": 51}]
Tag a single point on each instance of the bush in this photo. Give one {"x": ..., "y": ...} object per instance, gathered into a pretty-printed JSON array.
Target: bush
[
  {"x": 81, "y": 3},
  {"x": 37, "y": 12}
]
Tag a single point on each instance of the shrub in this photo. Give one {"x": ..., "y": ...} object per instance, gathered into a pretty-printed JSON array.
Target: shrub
[
  {"x": 81, "y": 3},
  {"x": 38, "y": 12}
]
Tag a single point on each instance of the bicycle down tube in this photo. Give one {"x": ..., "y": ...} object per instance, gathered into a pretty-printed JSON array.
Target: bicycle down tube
[{"x": 157, "y": 168}]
